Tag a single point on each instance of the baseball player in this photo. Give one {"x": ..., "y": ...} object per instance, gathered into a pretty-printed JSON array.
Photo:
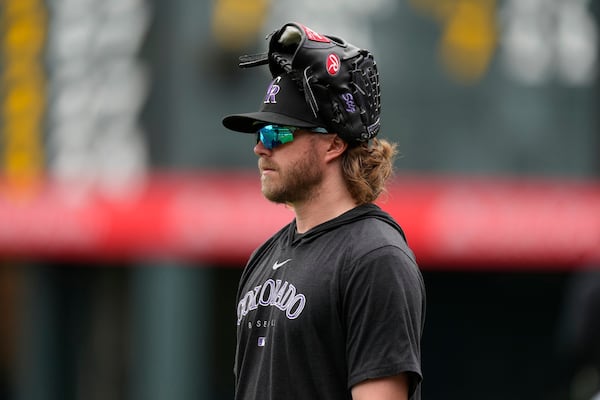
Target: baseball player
[{"x": 332, "y": 306}]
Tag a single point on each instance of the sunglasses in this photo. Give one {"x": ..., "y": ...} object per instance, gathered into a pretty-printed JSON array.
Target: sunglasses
[{"x": 272, "y": 136}]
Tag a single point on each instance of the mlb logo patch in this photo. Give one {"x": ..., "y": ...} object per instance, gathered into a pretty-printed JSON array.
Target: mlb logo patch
[{"x": 261, "y": 341}]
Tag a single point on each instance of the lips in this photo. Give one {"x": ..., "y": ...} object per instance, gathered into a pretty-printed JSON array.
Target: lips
[{"x": 264, "y": 166}]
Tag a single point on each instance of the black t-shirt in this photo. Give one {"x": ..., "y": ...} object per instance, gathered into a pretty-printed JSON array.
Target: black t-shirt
[{"x": 320, "y": 312}]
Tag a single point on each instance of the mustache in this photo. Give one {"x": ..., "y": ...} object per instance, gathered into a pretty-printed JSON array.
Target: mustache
[{"x": 264, "y": 164}]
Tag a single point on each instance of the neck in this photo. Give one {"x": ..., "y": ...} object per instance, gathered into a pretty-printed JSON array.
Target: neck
[{"x": 329, "y": 201}]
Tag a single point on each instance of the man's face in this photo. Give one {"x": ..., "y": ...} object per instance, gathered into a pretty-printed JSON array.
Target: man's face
[{"x": 291, "y": 172}]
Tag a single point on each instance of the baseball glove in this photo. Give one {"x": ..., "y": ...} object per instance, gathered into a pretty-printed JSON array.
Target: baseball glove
[{"x": 340, "y": 81}]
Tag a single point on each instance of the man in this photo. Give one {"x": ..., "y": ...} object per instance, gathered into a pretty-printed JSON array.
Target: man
[{"x": 332, "y": 306}]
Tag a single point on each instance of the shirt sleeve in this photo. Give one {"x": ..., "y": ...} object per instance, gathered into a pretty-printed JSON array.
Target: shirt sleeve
[{"x": 383, "y": 311}]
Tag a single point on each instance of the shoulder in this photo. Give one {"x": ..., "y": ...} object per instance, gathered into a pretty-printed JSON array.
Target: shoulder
[
  {"x": 378, "y": 246},
  {"x": 377, "y": 252},
  {"x": 373, "y": 236}
]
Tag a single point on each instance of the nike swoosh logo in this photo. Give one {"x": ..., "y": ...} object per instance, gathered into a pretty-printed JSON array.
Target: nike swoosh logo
[{"x": 280, "y": 264}]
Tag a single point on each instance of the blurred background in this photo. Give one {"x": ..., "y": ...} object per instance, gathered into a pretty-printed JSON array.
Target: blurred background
[{"x": 127, "y": 211}]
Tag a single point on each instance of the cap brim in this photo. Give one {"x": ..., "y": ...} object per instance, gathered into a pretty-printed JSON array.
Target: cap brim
[{"x": 251, "y": 122}]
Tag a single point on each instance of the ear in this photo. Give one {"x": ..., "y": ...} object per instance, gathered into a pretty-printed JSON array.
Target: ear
[{"x": 336, "y": 147}]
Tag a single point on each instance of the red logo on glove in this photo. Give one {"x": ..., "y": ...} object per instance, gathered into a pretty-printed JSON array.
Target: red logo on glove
[
  {"x": 314, "y": 36},
  {"x": 333, "y": 64}
]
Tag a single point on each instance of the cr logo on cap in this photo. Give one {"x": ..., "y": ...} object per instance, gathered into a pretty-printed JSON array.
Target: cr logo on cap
[{"x": 272, "y": 91}]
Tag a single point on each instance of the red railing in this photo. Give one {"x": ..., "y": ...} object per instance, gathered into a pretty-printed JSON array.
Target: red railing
[{"x": 219, "y": 218}]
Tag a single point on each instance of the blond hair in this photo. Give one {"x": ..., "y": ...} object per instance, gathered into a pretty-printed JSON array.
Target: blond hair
[{"x": 366, "y": 169}]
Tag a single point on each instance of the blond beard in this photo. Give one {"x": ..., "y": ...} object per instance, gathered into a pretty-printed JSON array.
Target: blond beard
[{"x": 298, "y": 182}]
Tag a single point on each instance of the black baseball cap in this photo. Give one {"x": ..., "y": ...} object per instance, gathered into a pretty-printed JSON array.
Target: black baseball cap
[{"x": 283, "y": 104}]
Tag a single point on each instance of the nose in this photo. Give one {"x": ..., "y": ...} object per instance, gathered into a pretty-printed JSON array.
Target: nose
[{"x": 261, "y": 150}]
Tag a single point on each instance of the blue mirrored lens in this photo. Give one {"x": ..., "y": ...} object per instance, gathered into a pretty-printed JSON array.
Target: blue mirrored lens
[{"x": 272, "y": 136}]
